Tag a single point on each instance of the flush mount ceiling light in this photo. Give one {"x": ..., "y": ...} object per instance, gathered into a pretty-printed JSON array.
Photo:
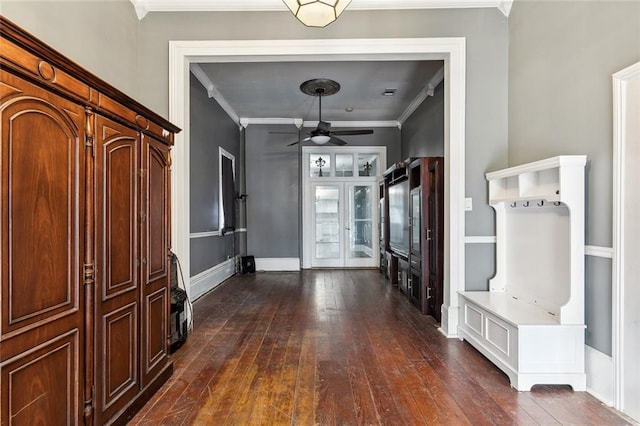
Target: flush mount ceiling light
[{"x": 316, "y": 13}]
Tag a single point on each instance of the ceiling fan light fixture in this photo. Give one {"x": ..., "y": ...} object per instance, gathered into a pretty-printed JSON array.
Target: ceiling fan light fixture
[
  {"x": 320, "y": 139},
  {"x": 316, "y": 13}
]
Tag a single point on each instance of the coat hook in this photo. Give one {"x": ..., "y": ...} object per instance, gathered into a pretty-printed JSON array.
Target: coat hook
[
  {"x": 513, "y": 204},
  {"x": 540, "y": 203},
  {"x": 556, "y": 203},
  {"x": 525, "y": 204}
]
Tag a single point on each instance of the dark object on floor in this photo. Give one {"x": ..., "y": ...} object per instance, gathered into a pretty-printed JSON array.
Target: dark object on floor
[
  {"x": 178, "y": 318},
  {"x": 247, "y": 264},
  {"x": 179, "y": 300}
]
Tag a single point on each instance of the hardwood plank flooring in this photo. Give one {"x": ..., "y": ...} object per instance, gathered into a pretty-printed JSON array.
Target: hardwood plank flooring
[{"x": 341, "y": 347}]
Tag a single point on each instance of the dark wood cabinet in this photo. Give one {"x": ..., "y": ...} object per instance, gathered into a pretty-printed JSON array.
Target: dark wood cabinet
[
  {"x": 42, "y": 334},
  {"x": 85, "y": 178},
  {"x": 419, "y": 259}
]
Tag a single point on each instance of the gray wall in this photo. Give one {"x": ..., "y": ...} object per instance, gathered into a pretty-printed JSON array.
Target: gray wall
[
  {"x": 561, "y": 57},
  {"x": 273, "y": 182},
  {"x": 486, "y": 32},
  {"x": 423, "y": 131},
  {"x": 211, "y": 128},
  {"x": 423, "y": 136},
  {"x": 273, "y": 186},
  {"x": 94, "y": 44},
  {"x": 101, "y": 36}
]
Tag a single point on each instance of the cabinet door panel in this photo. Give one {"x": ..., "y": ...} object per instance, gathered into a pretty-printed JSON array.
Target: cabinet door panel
[
  {"x": 434, "y": 211},
  {"x": 43, "y": 384},
  {"x": 155, "y": 198},
  {"x": 41, "y": 175},
  {"x": 117, "y": 283}
]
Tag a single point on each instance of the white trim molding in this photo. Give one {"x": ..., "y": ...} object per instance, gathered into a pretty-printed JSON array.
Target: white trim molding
[
  {"x": 621, "y": 121},
  {"x": 206, "y": 281},
  {"x": 598, "y": 251},
  {"x": 427, "y": 91},
  {"x": 338, "y": 124},
  {"x": 479, "y": 239},
  {"x": 277, "y": 264},
  {"x": 142, "y": 7},
  {"x": 599, "y": 368},
  {"x": 205, "y": 234},
  {"x": 214, "y": 93},
  {"x": 452, "y": 50}
]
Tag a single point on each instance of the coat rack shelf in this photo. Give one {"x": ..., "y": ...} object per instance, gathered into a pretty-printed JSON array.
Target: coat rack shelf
[{"x": 531, "y": 321}]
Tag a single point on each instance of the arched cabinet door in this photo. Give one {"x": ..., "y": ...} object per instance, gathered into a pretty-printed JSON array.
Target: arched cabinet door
[
  {"x": 42, "y": 250},
  {"x": 117, "y": 284},
  {"x": 154, "y": 250}
]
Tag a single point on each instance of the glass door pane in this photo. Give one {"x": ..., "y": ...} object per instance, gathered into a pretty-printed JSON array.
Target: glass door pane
[
  {"x": 416, "y": 226},
  {"x": 344, "y": 165},
  {"x": 327, "y": 222},
  {"x": 360, "y": 227}
]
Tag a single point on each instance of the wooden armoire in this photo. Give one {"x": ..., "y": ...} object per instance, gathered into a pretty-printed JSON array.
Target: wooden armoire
[{"x": 85, "y": 178}]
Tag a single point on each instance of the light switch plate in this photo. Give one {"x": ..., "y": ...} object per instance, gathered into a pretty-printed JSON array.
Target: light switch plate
[{"x": 468, "y": 204}]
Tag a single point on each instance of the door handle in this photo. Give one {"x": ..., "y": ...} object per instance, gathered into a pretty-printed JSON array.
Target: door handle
[{"x": 428, "y": 234}]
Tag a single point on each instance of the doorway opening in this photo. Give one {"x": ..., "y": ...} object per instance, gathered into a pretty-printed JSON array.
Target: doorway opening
[{"x": 451, "y": 50}]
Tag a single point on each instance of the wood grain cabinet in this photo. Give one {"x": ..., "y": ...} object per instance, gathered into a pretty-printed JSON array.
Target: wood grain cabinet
[
  {"x": 85, "y": 175},
  {"x": 415, "y": 256}
]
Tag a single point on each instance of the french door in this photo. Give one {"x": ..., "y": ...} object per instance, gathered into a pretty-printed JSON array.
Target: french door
[{"x": 345, "y": 225}]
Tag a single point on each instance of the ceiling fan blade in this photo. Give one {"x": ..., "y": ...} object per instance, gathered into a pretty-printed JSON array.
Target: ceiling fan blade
[
  {"x": 324, "y": 126},
  {"x": 337, "y": 141},
  {"x": 300, "y": 141},
  {"x": 353, "y": 132}
]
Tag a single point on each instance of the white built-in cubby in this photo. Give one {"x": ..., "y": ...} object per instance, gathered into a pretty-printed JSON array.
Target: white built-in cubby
[{"x": 531, "y": 321}]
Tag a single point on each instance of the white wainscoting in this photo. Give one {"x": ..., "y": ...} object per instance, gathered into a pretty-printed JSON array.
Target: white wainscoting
[
  {"x": 207, "y": 280},
  {"x": 599, "y": 369},
  {"x": 277, "y": 264}
]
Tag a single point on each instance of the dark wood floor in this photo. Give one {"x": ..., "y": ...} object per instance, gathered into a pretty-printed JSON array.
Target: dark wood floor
[{"x": 340, "y": 347}]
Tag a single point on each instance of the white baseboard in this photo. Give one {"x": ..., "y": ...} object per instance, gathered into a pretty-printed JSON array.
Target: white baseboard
[
  {"x": 449, "y": 321},
  {"x": 277, "y": 264},
  {"x": 599, "y": 369},
  {"x": 211, "y": 278}
]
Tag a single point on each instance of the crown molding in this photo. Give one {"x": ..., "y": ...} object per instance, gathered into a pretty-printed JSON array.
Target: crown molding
[
  {"x": 142, "y": 7},
  {"x": 246, "y": 121},
  {"x": 213, "y": 92},
  {"x": 349, "y": 124},
  {"x": 428, "y": 90}
]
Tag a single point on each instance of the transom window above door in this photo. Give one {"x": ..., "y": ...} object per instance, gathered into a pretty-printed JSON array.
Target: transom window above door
[
  {"x": 344, "y": 162},
  {"x": 340, "y": 192}
]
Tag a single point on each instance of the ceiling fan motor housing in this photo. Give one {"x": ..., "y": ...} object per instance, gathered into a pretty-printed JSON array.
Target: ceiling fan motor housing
[{"x": 322, "y": 133}]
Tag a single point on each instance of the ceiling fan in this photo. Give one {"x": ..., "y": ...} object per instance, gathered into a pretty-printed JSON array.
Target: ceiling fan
[{"x": 323, "y": 134}]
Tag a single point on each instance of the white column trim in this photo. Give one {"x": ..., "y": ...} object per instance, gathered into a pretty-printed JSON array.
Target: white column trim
[{"x": 619, "y": 122}]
